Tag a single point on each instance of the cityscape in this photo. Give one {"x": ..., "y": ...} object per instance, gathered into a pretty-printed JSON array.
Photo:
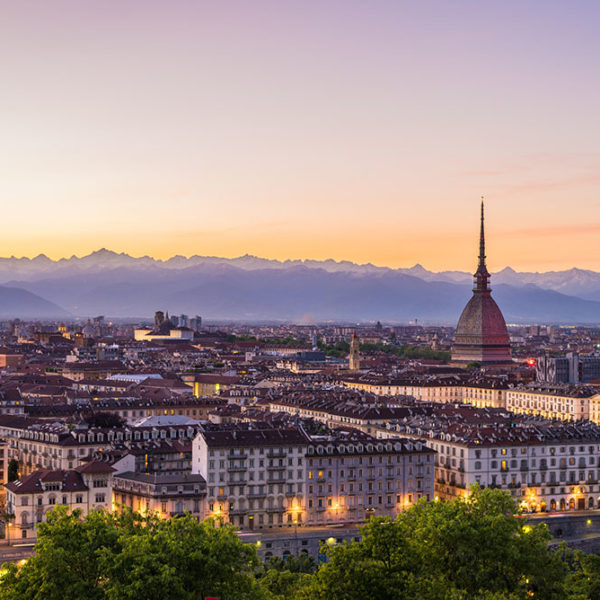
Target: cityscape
[{"x": 300, "y": 301}]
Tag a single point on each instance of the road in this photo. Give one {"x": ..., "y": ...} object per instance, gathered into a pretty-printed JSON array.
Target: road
[{"x": 15, "y": 553}]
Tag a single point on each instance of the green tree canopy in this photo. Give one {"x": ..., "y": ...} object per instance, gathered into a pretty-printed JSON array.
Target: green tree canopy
[
  {"x": 12, "y": 473},
  {"x": 475, "y": 548},
  {"x": 109, "y": 556},
  {"x": 472, "y": 548}
]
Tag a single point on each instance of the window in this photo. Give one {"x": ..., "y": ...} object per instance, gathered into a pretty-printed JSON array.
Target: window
[{"x": 100, "y": 497}]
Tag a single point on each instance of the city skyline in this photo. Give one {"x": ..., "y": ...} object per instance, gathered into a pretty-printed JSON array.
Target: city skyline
[{"x": 291, "y": 132}]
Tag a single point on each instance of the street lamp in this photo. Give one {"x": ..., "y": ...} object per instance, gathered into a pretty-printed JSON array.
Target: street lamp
[
  {"x": 335, "y": 508},
  {"x": 294, "y": 511}
]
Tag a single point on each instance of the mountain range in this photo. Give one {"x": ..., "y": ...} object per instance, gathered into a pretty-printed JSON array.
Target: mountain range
[{"x": 252, "y": 288}]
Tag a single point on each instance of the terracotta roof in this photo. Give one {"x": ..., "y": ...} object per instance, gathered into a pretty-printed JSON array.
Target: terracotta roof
[
  {"x": 71, "y": 481},
  {"x": 258, "y": 437},
  {"x": 94, "y": 466}
]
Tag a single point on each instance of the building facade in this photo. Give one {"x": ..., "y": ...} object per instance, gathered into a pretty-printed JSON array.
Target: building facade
[
  {"x": 30, "y": 498},
  {"x": 255, "y": 478}
]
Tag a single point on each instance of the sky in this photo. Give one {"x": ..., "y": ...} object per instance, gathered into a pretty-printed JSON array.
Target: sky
[{"x": 364, "y": 131}]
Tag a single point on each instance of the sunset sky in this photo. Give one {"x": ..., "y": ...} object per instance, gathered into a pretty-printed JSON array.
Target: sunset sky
[{"x": 364, "y": 131}]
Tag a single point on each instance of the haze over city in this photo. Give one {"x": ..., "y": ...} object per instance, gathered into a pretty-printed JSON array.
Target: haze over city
[{"x": 364, "y": 132}]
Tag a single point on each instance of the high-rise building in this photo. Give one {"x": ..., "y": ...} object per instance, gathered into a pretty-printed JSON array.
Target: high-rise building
[
  {"x": 571, "y": 368},
  {"x": 481, "y": 335}
]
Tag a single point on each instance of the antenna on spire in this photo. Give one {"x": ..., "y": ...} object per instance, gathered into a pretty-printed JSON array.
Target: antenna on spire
[
  {"x": 482, "y": 275},
  {"x": 482, "y": 236}
]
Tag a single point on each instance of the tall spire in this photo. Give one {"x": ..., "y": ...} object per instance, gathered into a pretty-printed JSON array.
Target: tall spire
[{"x": 482, "y": 275}]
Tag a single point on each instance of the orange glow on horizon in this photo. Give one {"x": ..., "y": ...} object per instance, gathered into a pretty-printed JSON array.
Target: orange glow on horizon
[{"x": 303, "y": 130}]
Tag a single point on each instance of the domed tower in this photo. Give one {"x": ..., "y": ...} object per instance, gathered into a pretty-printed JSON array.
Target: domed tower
[{"x": 481, "y": 335}]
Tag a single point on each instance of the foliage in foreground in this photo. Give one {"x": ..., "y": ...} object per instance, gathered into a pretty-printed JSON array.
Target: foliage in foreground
[
  {"x": 475, "y": 548},
  {"x": 109, "y": 556}
]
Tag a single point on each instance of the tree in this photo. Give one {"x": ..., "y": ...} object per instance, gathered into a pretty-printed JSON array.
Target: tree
[
  {"x": 583, "y": 581},
  {"x": 12, "y": 473},
  {"x": 181, "y": 559},
  {"x": 109, "y": 556},
  {"x": 471, "y": 548},
  {"x": 474, "y": 365},
  {"x": 283, "y": 579},
  {"x": 104, "y": 419},
  {"x": 66, "y": 565}
]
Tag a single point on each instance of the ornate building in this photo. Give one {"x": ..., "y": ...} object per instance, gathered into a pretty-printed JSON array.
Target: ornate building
[{"x": 481, "y": 335}]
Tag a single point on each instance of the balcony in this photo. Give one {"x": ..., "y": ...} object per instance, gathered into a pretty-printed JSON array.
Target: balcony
[
  {"x": 234, "y": 456},
  {"x": 232, "y": 481},
  {"x": 237, "y": 468},
  {"x": 523, "y": 468},
  {"x": 238, "y": 511},
  {"x": 277, "y": 468},
  {"x": 276, "y": 453},
  {"x": 256, "y": 495}
]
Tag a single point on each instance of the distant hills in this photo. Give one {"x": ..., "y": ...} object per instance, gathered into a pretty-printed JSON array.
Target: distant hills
[
  {"x": 252, "y": 288},
  {"x": 16, "y": 302}
]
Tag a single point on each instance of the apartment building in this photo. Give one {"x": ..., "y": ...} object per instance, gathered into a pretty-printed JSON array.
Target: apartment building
[
  {"x": 41, "y": 445},
  {"x": 357, "y": 413},
  {"x": 545, "y": 465},
  {"x": 255, "y": 477},
  {"x": 87, "y": 488},
  {"x": 167, "y": 495},
  {"x": 3, "y": 464},
  {"x": 568, "y": 403},
  {"x": 559, "y": 401},
  {"x": 352, "y": 477}
]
